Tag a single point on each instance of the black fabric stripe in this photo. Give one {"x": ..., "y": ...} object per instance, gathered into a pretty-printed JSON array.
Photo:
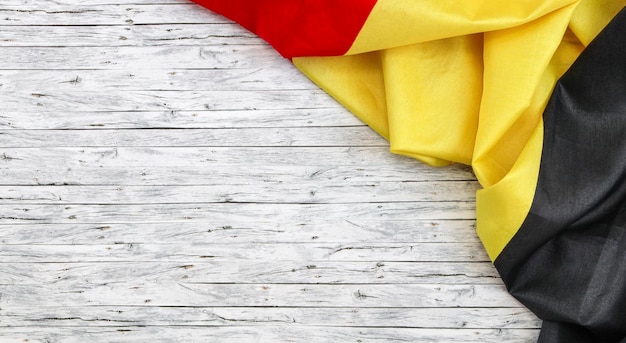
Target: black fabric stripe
[{"x": 567, "y": 262}]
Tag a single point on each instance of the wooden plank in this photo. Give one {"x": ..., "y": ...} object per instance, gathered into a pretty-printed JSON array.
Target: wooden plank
[
  {"x": 241, "y": 137},
  {"x": 127, "y": 35},
  {"x": 104, "y": 316},
  {"x": 164, "y": 100},
  {"x": 84, "y": 120},
  {"x": 286, "y": 231},
  {"x": 234, "y": 191},
  {"x": 192, "y": 252},
  {"x": 274, "y": 333},
  {"x": 250, "y": 271},
  {"x": 140, "y": 57},
  {"x": 140, "y": 293},
  {"x": 229, "y": 213},
  {"x": 52, "y": 13},
  {"x": 40, "y": 174},
  {"x": 257, "y": 78},
  {"x": 202, "y": 157}
]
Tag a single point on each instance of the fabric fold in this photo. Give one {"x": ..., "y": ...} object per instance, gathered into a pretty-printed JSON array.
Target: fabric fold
[{"x": 566, "y": 262}]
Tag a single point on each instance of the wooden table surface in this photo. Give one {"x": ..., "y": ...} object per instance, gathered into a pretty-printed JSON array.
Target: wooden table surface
[{"x": 165, "y": 176}]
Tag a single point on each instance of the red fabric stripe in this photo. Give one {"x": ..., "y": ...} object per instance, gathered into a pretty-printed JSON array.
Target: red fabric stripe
[{"x": 299, "y": 27}]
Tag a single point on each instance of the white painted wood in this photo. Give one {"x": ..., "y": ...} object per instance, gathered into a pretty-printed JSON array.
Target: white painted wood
[
  {"x": 441, "y": 318},
  {"x": 203, "y": 156},
  {"x": 166, "y": 176},
  {"x": 331, "y": 157},
  {"x": 241, "y": 137},
  {"x": 213, "y": 174},
  {"x": 139, "y": 292},
  {"x": 50, "y": 81},
  {"x": 156, "y": 100},
  {"x": 227, "y": 212},
  {"x": 70, "y": 274},
  {"x": 128, "y": 35},
  {"x": 52, "y": 13},
  {"x": 286, "y": 117},
  {"x": 372, "y": 252},
  {"x": 264, "y": 334},
  {"x": 312, "y": 192},
  {"x": 289, "y": 231},
  {"x": 139, "y": 57}
]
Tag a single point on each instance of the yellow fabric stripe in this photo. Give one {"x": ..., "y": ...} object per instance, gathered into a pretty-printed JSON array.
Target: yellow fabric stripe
[
  {"x": 448, "y": 81},
  {"x": 433, "y": 104},
  {"x": 355, "y": 81},
  {"x": 394, "y": 23},
  {"x": 516, "y": 86},
  {"x": 592, "y": 16},
  {"x": 502, "y": 206}
]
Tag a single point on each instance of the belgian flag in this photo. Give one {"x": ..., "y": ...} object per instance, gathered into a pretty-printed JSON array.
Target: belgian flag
[{"x": 530, "y": 93}]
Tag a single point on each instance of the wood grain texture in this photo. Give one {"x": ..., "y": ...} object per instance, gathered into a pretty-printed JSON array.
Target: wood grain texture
[
  {"x": 215, "y": 270},
  {"x": 439, "y": 318},
  {"x": 314, "y": 230},
  {"x": 243, "y": 137},
  {"x": 165, "y": 176},
  {"x": 269, "y": 333},
  {"x": 104, "y": 14},
  {"x": 127, "y": 35}
]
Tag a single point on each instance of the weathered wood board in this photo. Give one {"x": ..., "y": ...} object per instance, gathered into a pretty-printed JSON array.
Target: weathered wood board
[{"x": 165, "y": 176}]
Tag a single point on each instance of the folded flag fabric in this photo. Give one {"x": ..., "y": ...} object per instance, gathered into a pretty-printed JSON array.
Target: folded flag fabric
[{"x": 531, "y": 94}]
